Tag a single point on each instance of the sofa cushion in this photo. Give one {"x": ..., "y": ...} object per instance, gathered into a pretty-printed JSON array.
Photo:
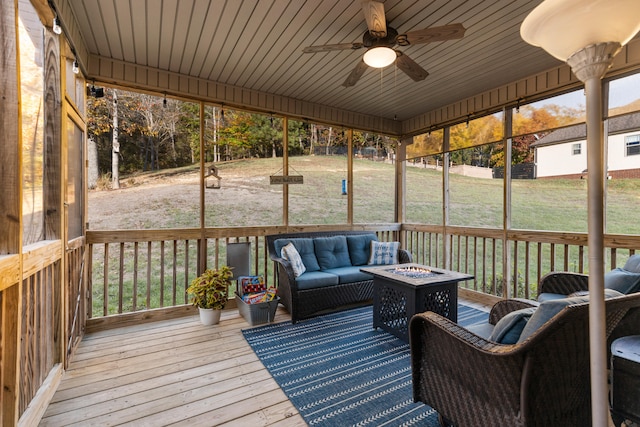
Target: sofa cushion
[
  {"x": 384, "y": 253},
  {"x": 290, "y": 253},
  {"x": 349, "y": 274},
  {"x": 622, "y": 280},
  {"x": 360, "y": 247},
  {"x": 509, "y": 328},
  {"x": 316, "y": 279},
  {"x": 548, "y": 309},
  {"x": 332, "y": 252},
  {"x": 305, "y": 248}
]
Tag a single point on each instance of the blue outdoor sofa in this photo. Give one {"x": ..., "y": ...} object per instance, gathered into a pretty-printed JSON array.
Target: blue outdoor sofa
[{"x": 326, "y": 276}]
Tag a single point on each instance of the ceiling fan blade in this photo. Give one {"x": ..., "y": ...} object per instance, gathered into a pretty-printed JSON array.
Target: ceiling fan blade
[
  {"x": 374, "y": 15},
  {"x": 355, "y": 74},
  {"x": 331, "y": 47},
  {"x": 436, "y": 34},
  {"x": 410, "y": 67}
]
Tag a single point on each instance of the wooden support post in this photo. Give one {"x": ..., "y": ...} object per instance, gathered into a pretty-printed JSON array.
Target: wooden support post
[
  {"x": 10, "y": 174},
  {"x": 202, "y": 248},
  {"x": 350, "y": 176},
  {"x": 446, "y": 158},
  {"x": 285, "y": 170},
  {"x": 401, "y": 180},
  {"x": 10, "y": 213},
  {"x": 506, "y": 212}
]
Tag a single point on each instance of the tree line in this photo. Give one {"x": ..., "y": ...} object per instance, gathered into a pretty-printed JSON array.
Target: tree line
[
  {"x": 134, "y": 132},
  {"x": 479, "y": 142}
]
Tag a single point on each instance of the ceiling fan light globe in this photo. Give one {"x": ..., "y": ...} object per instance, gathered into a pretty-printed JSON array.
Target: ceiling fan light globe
[{"x": 379, "y": 57}]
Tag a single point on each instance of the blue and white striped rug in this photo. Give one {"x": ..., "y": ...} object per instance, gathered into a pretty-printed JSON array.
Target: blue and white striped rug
[{"x": 338, "y": 371}]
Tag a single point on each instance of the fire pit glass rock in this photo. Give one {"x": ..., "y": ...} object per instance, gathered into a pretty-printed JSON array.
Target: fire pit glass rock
[{"x": 413, "y": 272}]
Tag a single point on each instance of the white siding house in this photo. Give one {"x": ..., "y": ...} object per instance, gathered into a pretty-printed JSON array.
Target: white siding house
[{"x": 563, "y": 153}]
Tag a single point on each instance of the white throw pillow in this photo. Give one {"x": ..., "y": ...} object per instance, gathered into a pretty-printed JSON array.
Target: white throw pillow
[
  {"x": 291, "y": 254},
  {"x": 384, "y": 253}
]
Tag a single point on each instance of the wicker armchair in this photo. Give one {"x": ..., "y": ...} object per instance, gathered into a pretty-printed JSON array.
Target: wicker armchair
[
  {"x": 559, "y": 284},
  {"x": 541, "y": 381},
  {"x": 563, "y": 283}
]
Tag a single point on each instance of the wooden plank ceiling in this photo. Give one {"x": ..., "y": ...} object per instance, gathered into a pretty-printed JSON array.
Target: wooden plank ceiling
[{"x": 257, "y": 45}]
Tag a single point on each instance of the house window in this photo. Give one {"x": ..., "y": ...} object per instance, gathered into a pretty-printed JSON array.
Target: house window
[
  {"x": 632, "y": 145},
  {"x": 576, "y": 149}
]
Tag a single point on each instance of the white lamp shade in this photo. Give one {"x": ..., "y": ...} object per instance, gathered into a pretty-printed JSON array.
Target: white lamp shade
[
  {"x": 563, "y": 27},
  {"x": 379, "y": 57}
]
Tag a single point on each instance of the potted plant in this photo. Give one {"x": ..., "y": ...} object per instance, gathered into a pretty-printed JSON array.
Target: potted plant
[{"x": 210, "y": 292}]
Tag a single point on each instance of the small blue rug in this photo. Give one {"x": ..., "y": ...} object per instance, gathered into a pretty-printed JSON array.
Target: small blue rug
[{"x": 339, "y": 371}]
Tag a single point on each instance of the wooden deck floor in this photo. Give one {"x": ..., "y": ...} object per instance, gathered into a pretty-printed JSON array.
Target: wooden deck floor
[{"x": 171, "y": 373}]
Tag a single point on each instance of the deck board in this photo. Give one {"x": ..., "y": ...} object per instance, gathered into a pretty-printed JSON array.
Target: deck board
[{"x": 173, "y": 372}]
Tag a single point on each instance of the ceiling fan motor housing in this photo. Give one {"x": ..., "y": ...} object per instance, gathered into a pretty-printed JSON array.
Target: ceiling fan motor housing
[{"x": 389, "y": 41}]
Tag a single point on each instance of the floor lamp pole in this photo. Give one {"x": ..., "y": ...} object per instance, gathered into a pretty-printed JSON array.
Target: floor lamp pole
[{"x": 589, "y": 65}]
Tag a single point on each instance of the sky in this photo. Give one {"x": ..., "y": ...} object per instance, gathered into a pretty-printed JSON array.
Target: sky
[{"x": 622, "y": 91}]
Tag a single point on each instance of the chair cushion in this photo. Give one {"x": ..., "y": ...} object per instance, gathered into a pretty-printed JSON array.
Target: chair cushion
[
  {"x": 383, "y": 253},
  {"x": 548, "y": 309},
  {"x": 332, "y": 252},
  {"x": 622, "y": 280},
  {"x": 305, "y": 248},
  {"x": 633, "y": 264},
  {"x": 509, "y": 328},
  {"x": 546, "y": 296},
  {"x": 482, "y": 329},
  {"x": 290, "y": 253},
  {"x": 360, "y": 247}
]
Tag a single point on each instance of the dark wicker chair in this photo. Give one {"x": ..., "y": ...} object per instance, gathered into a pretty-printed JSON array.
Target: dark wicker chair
[
  {"x": 566, "y": 283},
  {"x": 303, "y": 304},
  {"x": 541, "y": 381}
]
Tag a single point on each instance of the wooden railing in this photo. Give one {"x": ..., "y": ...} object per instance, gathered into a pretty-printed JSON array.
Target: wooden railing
[
  {"x": 31, "y": 329},
  {"x": 132, "y": 271},
  {"x": 76, "y": 292},
  {"x": 38, "y": 328},
  {"x": 517, "y": 271}
]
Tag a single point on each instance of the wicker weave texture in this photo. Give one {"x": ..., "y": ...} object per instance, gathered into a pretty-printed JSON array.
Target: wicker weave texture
[
  {"x": 563, "y": 283},
  {"x": 543, "y": 381}
]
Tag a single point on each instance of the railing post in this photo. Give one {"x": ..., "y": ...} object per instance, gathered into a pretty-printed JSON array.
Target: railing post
[
  {"x": 202, "y": 242},
  {"x": 506, "y": 212},
  {"x": 446, "y": 247}
]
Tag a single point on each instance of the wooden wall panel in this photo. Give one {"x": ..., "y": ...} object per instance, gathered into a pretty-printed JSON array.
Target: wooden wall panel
[
  {"x": 9, "y": 133},
  {"x": 72, "y": 30},
  {"x": 153, "y": 80},
  {"x": 52, "y": 139}
]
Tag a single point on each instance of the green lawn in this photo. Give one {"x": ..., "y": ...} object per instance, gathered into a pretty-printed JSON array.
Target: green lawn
[
  {"x": 170, "y": 199},
  {"x": 247, "y": 198}
]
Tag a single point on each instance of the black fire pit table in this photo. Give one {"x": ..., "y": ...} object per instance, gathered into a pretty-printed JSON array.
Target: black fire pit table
[{"x": 402, "y": 290}]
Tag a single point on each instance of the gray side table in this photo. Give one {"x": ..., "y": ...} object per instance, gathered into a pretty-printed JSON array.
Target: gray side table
[{"x": 625, "y": 379}]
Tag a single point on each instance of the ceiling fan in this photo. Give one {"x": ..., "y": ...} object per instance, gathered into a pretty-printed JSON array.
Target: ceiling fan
[{"x": 379, "y": 39}]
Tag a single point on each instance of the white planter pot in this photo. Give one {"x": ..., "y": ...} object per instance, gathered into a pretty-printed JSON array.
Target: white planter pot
[{"x": 209, "y": 316}]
